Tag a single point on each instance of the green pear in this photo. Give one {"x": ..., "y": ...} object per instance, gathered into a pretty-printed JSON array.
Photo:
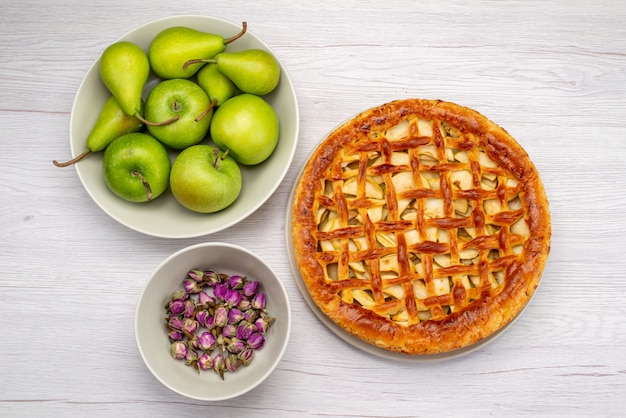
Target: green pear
[
  {"x": 247, "y": 126},
  {"x": 253, "y": 71},
  {"x": 124, "y": 69},
  {"x": 173, "y": 47},
  {"x": 112, "y": 123},
  {"x": 218, "y": 87}
]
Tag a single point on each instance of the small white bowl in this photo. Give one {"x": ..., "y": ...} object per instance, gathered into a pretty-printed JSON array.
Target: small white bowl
[
  {"x": 165, "y": 217},
  {"x": 153, "y": 342}
]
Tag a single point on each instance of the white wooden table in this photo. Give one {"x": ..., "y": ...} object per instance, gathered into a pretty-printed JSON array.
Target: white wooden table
[{"x": 552, "y": 73}]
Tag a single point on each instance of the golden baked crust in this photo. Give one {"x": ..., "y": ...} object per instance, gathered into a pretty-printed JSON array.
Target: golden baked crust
[{"x": 420, "y": 226}]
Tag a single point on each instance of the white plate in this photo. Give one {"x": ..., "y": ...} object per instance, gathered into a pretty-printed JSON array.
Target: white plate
[
  {"x": 349, "y": 338},
  {"x": 165, "y": 217}
]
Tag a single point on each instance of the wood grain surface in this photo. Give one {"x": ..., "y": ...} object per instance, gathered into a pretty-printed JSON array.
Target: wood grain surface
[{"x": 553, "y": 74}]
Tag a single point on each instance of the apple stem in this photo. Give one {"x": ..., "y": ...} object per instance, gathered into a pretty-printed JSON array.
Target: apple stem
[
  {"x": 73, "y": 160},
  {"x": 244, "y": 28},
  {"x": 206, "y": 112},
  {"x": 225, "y": 153},
  {"x": 216, "y": 155},
  {"x": 144, "y": 182},
  {"x": 166, "y": 122}
]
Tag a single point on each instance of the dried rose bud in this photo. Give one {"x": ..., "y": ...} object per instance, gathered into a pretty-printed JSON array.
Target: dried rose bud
[
  {"x": 211, "y": 277},
  {"x": 246, "y": 355},
  {"x": 190, "y": 308},
  {"x": 250, "y": 288},
  {"x": 232, "y": 298},
  {"x": 201, "y": 317},
  {"x": 206, "y": 341},
  {"x": 177, "y": 306},
  {"x": 190, "y": 326},
  {"x": 205, "y": 362},
  {"x": 259, "y": 301},
  {"x": 210, "y": 322},
  {"x": 205, "y": 299},
  {"x": 250, "y": 315},
  {"x": 221, "y": 316},
  {"x": 244, "y": 304},
  {"x": 232, "y": 362},
  {"x": 197, "y": 275},
  {"x": 218, "y": 365},
  {"x": 262, "y": 324},
  {"x": 245, "y": 330},
  {"x": 235, "y": 316},
  {"x": 229, "y": 330},
  {"x": 175, "y": 323},
  {"x": 256, "y": 341},
  {"x": 235, "y": 345},
  {"x": 178, "y": 350},
  {"x": 220, "y": 291},
  {"x": 236, "y": 282},
  {"x": 180, "y": 294},
  {"x": 175, "y": 335},
  {"x": 192, "y": 286},
  {"x": 191, "y": 357}
]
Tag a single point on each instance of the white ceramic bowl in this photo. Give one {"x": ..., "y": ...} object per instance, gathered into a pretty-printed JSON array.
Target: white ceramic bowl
[
  {"x": 153, "y": 342},
  {"x": 165, "y": 217}
]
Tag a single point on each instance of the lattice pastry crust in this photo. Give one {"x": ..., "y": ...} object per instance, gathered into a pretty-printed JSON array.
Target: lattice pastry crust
[{"x": 420, "y": 226}]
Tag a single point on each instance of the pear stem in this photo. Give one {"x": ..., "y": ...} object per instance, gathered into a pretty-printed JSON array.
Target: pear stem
[
  {"x": 166, "y": 122},
  {"x": 244, "y": 28},
  {"x": 73, "y": 160},
  {"x": 206, "y": 112},
  {"x": 197, "y": 61}
]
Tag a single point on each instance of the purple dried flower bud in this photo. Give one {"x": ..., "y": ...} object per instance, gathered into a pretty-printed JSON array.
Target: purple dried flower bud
[
  {"x": 191, "y": 286},
  {"x": 221, "y": 316},
  {"x": 236, "y": 282},
  {"x": 232, "y": 298},
  {"x": 250, "y": 288},
  {"x": 232, "y": 362},
  {"x": 206, "y": 341},
  {"x": 235, "y": 316},
  {"x": 175, "y": 323},
  {"x": 205, "y": 299},
  {"x": 190, "y": 308},
  {"x": 180, "y": 294},
  {"x": 175, "y": 335},
  {"x": 201, "y": 316},
  {"x": 246, "y": 355},
  {"x": 177, "y": 306},
  {"x": 210, "y": 322},
  {"x": 263, "y": 324},
  {"x": 178, "y": 350},
  {"x": 245, "y": 330},
  {"x": 205, "y": 362},
  {"x": 218, "y": 365},
  {"x": 220, "y": 291},
  {"x": 211, "y": 277},
  {"x": 250, "y": 315},
  {"x": 197, "y": 275},
  {"x": 191, "y": 357},
  {"x": 235, "y": 345},
  {"x": 229, "y": 330},
  {"x": 256, "y": 341},
  {"x": 259, "y": 301},
  {"x": 244, "y": 304},
  {"x": 223, "y": 277},
  {"x": 190, "y": 326}
]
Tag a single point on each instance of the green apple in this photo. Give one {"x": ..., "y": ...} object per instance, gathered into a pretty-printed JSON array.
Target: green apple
[
  {"x": 247, "y": 126},
  {"x": 183, "y": 107},
  {"x": 205, "y": 180},
  {"x": 136, "y": 167}
]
